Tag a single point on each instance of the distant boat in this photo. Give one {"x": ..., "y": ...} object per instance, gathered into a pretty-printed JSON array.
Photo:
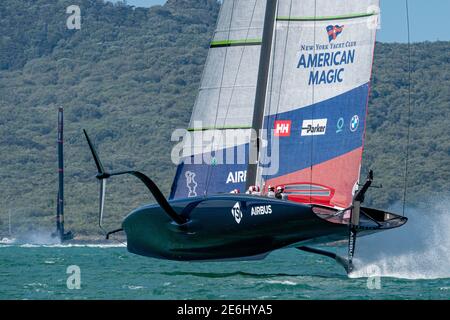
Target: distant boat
[
  {"x": 300, "y": 72},
  {"x": 60, "y": 233},
  {"x": 8, "y": 240}
]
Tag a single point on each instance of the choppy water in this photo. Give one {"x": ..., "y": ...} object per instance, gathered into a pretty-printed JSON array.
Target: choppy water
[
  {"x": 111, "y": 273},
  {"x": 412, "y": 262}
]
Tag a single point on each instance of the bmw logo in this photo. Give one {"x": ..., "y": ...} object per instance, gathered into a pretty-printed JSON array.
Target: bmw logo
[{"x": 354, "y": 124}]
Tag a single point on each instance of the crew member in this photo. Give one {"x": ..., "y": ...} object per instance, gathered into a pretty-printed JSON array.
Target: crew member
[
  {"x": 271, "y": 192},
  {"x": 251, "y": 190},
  {"x": 280, "y": 193},
  {"x": 257, "y": 191}
]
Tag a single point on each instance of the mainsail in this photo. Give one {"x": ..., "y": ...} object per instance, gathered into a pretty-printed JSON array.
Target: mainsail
[
  {"x": 214, "y": 155},
  {"x": 318, "y": 96},
  {"x": 316, "y": 105}
]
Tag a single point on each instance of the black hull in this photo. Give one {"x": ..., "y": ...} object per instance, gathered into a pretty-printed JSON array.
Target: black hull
[{"x": 230, "y": 227}]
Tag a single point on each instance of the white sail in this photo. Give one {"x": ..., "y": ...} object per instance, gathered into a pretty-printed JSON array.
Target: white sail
[{"x": 225, "y": 102}]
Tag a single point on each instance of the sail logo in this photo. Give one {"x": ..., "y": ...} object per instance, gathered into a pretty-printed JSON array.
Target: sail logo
[
  {"x": 262, "y": 210},
  {"x": 336, "y": 61},
  {"x": 237, "y": 177},
  {"x": 354, "y": 124},
  {"x": 340, "y": 125},
  {"x": 283, "y": 128},
  {"x": 237, "y": 213},
  {"x": 334, "y": 32},
  {"x": 316, "y": 127},
  {"x": 191, "y": 184}
]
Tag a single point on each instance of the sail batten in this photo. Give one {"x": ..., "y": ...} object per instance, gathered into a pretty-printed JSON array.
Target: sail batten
[
  {"x": 219, "y": 128},
  {"x": 327, "y": 18},
  {"x": 236, "y": 43}
]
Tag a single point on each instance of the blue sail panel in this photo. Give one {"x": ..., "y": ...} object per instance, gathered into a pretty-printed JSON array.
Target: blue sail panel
[{"x": 193, "y": 180}]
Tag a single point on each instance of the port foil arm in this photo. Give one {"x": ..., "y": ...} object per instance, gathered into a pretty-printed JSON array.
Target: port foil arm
[
  {"x": 103, "y": 175},
  {"x": 157, "y": 194}
]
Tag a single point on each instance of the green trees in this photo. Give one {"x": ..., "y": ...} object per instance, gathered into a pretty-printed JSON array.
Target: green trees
[
  {"x": 130, "y": 77},
  {"x": 429, "y": 160}
]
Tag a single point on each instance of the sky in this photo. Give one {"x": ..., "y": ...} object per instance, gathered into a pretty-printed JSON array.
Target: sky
[{"x": 428, "y": 19}]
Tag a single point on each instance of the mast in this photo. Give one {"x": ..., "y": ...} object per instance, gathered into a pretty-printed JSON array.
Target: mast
[
  {"x": 9, "y": 222},
  {"x": 60, "y": 203},
  {"x": 261, "y": 89}
]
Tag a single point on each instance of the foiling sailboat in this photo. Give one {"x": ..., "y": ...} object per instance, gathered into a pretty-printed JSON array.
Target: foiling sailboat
[
  {"x": 289, "y": 81},
  {"x": 59, "y": 232}
]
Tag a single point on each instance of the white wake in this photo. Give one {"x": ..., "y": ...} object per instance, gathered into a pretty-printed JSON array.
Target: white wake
[
  {"x": 71, "y": 245},
  {"x": 45, "y": 240},
  {"x": 418, "y": 250}
]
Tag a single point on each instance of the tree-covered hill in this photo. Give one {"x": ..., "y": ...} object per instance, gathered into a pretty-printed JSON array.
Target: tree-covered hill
[
  {"x": 429, "y": 160},
  {"x": 130, "y": 77}
]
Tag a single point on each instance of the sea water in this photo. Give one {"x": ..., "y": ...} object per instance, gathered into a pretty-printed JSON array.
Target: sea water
[{"x": 409, "y": 263}]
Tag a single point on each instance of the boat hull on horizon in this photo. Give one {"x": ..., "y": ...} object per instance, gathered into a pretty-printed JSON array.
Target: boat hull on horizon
[{"x": 7, "y": 241}]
